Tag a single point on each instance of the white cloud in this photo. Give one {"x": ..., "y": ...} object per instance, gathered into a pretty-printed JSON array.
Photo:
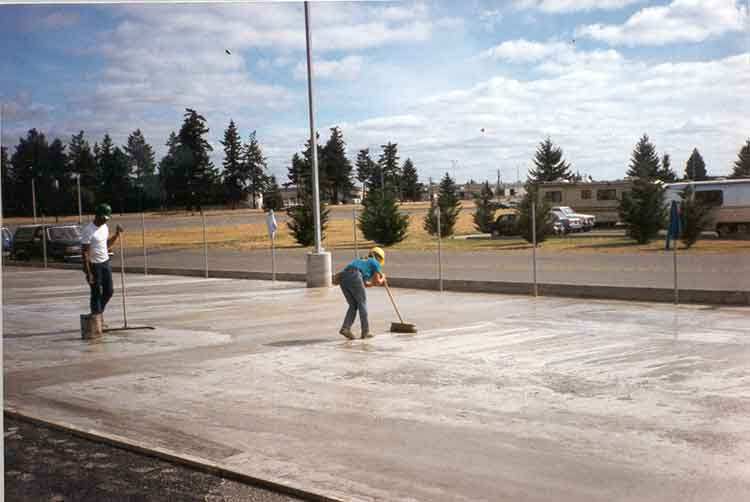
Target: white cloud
[
  {"x": 680, "y": 21},
  {"x": 347, "y": 68},
  {"x": 524, "y": 51},
  {"x": 560, "y": 6}
]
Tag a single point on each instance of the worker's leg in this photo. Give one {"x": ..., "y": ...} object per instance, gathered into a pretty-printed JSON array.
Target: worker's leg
[
  {"x": 347, "y": 280},
  {"x": 96, "y": 290},
  {"x": 107, "y": 288},
  {"x": 360, "y": 296}
]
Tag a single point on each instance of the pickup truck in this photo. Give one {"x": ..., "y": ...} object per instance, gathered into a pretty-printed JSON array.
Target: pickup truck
[{"x": 587, "y": 220}]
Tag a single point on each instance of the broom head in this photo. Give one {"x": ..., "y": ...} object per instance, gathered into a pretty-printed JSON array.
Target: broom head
[{"x": 403, "y": 327}]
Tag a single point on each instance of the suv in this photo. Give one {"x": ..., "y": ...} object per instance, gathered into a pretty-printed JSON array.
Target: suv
[
  {"x": 7, "y": 241},
  {"x": 567, "y": 222},
  {"x": 506, "y": 225},
  {"x": 587, "y": 220},
  {"x": 63, "y": 242}
]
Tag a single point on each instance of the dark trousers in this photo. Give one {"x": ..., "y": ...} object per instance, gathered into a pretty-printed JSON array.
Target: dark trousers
[
  {"x": 353, "y": 288},
  {"x": 101, "y": 290}
]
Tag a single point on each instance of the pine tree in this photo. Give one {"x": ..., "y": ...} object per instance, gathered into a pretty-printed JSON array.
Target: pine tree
[
  {"x": 140, "y": 156},
  {"x": 302, "y": 221},
  {"x": 695, "y": 216},
  {"x": 172, "y": 180},
  {"x": 272, "y": 199},
  {"x": 541, "y": 213},
  {"x": 83, "y": 163},
  {"x": 31, "y": 161},
  {"x": 60, "y": 177},
  {"x": 484, "y": 216},
  {"x": 695, "y": 168},
  {"x": 381, "y": 220},
  {"x": 299, "y": 175},
  {"x": 389, "y": 171},
  {"x": 338, "y": 169},
  {"x": 255, "y": 167},
  {"x": 366, "y": 169},
  {"x": 449, "y": 205},
  {"x": 642, "y": 210},
  {"x": 234, "y": 167},
  {"x": 742, "y": 164},
  {"x": 8, "y": 183},
  {"x": 112, "y": 174},
  {"x": 195, "y": 158},
  {"x": 665, "y": 173},
  {"x": 410, "y": 181},
  {"x": 549, "y": 163},
  {"x": 644, "y": 163}
]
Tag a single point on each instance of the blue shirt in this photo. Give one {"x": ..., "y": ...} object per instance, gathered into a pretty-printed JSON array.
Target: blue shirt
[{"x": 367, "y": 266}]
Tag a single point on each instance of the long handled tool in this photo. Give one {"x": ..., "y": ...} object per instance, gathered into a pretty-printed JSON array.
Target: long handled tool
[
  {"x": 125, "y": 326},
  {"x": 399, "y": 327}
]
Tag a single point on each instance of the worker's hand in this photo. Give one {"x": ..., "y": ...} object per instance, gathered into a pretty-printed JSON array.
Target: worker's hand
[
  {"x": 119, "y": 229},
  {"x": 90, "y": 279}
]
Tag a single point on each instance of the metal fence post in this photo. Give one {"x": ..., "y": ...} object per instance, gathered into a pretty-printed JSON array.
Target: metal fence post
[
  {"x": 122, "y": 280},
  {"x": 205, "y": 245},
  {"x": 44, "y": 241},
  {"x": 273, "y": 257},
  {"x": 676, "y": 289},
  {"x": 440, "y": 250},
  {"x": 143, "y": 237},
  {"x": 354, "y": 225},
  {"x": 33, "y": 198},
  {"x": 533, "y": 238}
]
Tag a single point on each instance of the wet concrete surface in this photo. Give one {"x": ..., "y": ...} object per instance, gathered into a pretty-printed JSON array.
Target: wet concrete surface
[
  {"x": 47, "y": 465},
  {"x": 496, "y": 398},
  {"x": 726, "y": 272}
]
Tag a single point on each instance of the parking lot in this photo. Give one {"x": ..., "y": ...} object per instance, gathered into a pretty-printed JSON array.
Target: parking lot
[{"x": 496, "y": 398}]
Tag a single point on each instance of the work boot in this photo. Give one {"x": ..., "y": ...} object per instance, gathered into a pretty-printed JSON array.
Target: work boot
[
  {"x": 346, "y": 333},
  {"x": 367, "y": 334}
]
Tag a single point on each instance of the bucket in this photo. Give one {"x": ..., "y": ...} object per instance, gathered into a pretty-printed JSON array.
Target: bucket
[{"x": 91, "y": 326}]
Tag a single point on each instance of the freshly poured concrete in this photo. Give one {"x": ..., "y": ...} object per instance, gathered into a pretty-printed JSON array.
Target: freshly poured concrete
[{"x": 496, "y": 398}]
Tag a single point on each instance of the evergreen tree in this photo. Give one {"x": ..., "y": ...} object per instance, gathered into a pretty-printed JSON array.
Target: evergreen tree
[
  {"x": 484, "y": 216},
  {"x": 273, "y": 199},
  {"x": 695, "y": 216},
  {"x": 381, "y": 221},
  {"x": 172, "y": 181},
  {"x": 366, "y": 169},
  {"x": 549, "y": 163},
  {"x": 60, "y": 198},
  {"x": 82, "y": 162},
  {"x": 665, "y": 173},
  {"x": 389, "y": 171},
  {"x": 195, "y": 159},
  {"x": 541, "y": 214},
  {"x": 410, "y": 182},
  {"x": 338, "y": 169},
  {"x": 255, "y": 167},
  {"x": 31, "y": 161},
  {"x": 234, "y": 168},
  {"x": 112, "y": 174},
  {"x": 8, "y": 183},
  {"x": 299, "y": 175},
  {"x": 742, "y": 164},
  {"x": 140, "y": 156},
  {"x": 302, "y": 221},
  {"x": 695, "y": 168},
  {"x": 644, "y": 163},
  {"x": 449, "y": 205},
  {"x": 642, "y": 210}
]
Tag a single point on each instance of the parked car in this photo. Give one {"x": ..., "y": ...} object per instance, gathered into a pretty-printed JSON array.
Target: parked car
[
  {"x": 506, "y": 225},
  {"x": 567, "y": 222},
  {"x": 63, "y": 242},
  {"x": 587, "y": 220},
  {"x": 7, "y": 241}
]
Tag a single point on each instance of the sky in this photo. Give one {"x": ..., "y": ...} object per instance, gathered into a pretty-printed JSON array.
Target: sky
[{"x": 466, "y": 87}]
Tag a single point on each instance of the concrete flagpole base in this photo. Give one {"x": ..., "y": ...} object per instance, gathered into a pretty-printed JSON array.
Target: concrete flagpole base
[{"x": 319, "y": 270}]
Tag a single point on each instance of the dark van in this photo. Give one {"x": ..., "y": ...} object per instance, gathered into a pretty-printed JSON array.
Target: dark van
[{"x": 63, "y": 242}]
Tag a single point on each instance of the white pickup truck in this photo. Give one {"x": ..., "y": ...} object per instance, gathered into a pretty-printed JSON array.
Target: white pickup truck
[{"x": 588, "y": 220}]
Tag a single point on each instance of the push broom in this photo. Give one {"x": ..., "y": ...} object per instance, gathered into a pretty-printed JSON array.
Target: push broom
[{"x": 399, "y": 327}]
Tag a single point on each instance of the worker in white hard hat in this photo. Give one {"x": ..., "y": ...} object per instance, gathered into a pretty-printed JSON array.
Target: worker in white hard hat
[{"x": 360, "y": 274}]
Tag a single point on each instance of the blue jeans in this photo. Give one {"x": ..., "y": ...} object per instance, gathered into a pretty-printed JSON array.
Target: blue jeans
[
  {"x": 101, "y": 290},
  {"x": 353, "y": 288}
]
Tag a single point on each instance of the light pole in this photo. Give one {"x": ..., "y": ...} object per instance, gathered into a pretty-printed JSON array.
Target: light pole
[
  {"x": 33, "y": 196},
  {"x": 318, "y": 262},
  {"x": 78, "y": 183}
]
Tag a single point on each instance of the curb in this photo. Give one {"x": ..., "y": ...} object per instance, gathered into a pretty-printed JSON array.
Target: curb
[
  {"x": 625, "y": 293},
  {"x": 188, "y": 461}
]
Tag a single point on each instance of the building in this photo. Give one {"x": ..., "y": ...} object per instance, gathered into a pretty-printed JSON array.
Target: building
[{"x": 600, "y": 198}]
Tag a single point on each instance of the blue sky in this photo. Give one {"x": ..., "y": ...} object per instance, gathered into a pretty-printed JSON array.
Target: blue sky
[{"x": 479, "y": 82}]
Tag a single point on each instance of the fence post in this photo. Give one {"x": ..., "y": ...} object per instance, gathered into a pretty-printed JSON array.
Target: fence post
[
  {"x": 273, "y": 257},
  {"x": 533, "y": 238},
  {"x": 122, "y": 280},
  {"x": 143, "y": 237},
  {"x": 676, "y": 289},
  {"x": 354, "y": 225},
  {"x": 205, "y": 245},
  {"x": 44, "y": 241},
  {"x": 440, "y": 250}
]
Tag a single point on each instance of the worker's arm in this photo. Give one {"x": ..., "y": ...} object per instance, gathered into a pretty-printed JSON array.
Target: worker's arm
[
  {"x": 378, "y": 279},
  {"x": 87, "y": 263},
  {"x": 111, "y": 241}
]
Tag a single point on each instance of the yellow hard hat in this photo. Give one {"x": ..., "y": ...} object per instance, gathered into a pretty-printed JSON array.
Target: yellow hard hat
[{"x": 379, "y": 254}]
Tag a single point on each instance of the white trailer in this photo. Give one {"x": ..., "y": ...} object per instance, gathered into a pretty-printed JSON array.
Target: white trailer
[{"x": 729, "y": 201}]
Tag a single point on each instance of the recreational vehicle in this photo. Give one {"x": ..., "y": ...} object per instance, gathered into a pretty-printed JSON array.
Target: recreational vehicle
[{"x": 729, "y": 201}]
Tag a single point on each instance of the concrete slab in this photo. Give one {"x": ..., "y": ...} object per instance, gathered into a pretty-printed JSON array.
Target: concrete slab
[{"x": 497, "y": 397}]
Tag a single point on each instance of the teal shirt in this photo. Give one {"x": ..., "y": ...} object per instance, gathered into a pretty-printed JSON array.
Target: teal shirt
[{"x": 367, "y": 266}]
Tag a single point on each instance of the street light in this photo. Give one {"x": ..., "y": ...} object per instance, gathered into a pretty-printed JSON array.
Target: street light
[
  {"x": 78, "y": 182},
  {"x": 319, "y": 262}
]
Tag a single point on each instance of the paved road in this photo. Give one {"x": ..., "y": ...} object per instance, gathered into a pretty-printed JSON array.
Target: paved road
[
  {"x": 696, "y": 271},
  {"x": 43, "y": 464},
  {"x": 497, "y": 398}
]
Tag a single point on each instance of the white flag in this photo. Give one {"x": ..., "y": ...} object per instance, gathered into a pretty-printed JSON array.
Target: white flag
[{"x": 271, "y": 223}]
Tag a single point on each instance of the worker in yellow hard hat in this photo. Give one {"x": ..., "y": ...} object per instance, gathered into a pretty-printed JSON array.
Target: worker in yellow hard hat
[{"x": 360, "y": 274}]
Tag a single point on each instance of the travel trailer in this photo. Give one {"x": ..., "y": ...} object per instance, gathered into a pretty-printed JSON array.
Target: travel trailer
[{"x": 729, "y": 201}]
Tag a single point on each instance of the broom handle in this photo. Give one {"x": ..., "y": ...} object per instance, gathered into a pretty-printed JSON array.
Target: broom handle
[{"x": 393, "y": 302}]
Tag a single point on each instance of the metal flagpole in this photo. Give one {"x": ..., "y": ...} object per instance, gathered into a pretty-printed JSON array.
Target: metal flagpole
[
  {"x": 440, "y": 251},
  {"x": 78, "y": 183},
  {"x": 313, "y": 139},
  {"x": 33, "y": 197},
  {"x": 44, "y": 241},
  {"x": 533, "y": 238},
  {"x": 354, "y": 225}
]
